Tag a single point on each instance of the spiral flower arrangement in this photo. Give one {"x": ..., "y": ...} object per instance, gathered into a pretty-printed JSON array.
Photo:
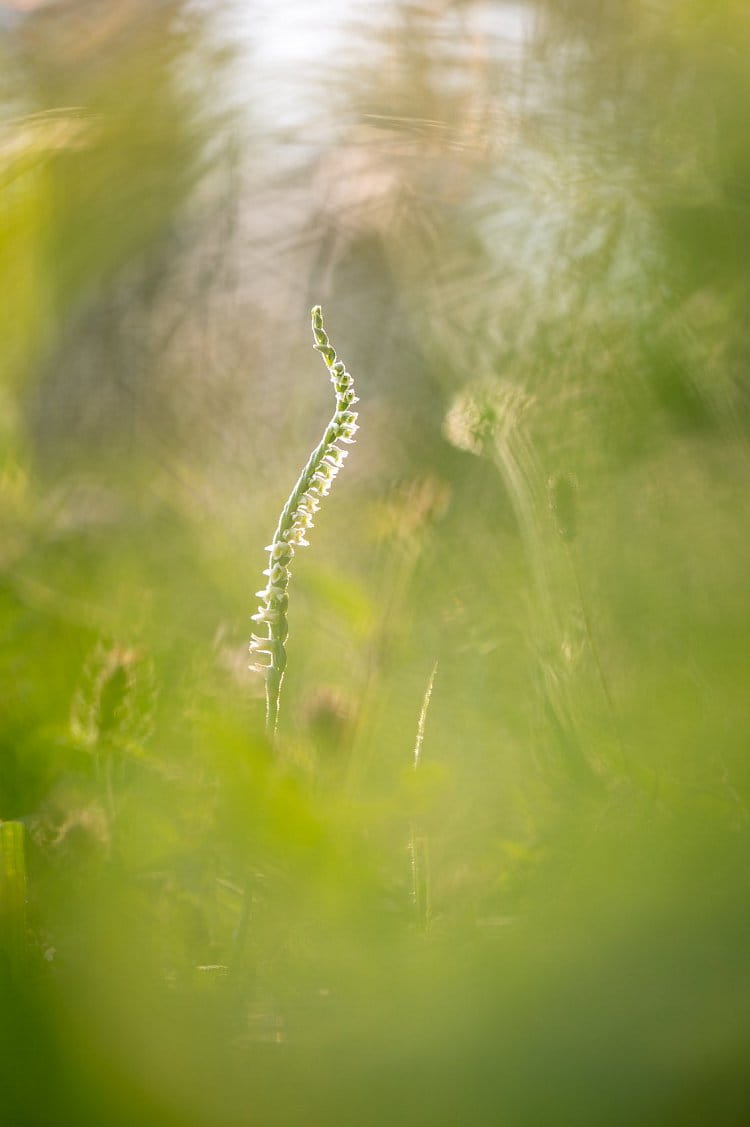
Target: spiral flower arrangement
[{"x": 313, "y": 484}]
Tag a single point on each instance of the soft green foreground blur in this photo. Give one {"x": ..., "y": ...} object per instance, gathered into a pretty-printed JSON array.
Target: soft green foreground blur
[{"x": 529, "y": 228}]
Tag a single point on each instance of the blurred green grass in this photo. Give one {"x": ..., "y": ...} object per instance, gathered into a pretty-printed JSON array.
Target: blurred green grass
[{"x": 534, "y": 264}]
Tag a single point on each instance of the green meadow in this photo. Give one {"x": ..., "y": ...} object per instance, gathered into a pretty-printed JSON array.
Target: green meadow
[{"x": 491, "y": 866}]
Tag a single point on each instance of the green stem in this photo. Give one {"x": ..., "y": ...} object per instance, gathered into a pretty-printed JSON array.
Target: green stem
[{"x": 303, "y": 502}]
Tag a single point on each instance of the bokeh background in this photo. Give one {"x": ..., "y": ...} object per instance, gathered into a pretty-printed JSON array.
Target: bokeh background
[{"x": 528, "y": 224}]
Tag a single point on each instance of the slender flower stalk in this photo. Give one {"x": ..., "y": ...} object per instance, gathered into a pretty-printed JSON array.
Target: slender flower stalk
[
  {"x": 313, "y": 484},
  {"x": 419, "y": 842}
]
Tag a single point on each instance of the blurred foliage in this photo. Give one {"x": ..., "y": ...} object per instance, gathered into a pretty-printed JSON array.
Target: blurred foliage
[{"x": 528, "y": 225}]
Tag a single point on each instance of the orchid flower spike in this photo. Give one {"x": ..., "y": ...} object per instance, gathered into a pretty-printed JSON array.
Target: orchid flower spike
[{"x": 295, "y": 522}]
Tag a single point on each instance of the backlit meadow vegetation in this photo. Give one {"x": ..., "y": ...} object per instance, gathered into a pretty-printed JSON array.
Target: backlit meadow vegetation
[{"x": 494, "y": 867}]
